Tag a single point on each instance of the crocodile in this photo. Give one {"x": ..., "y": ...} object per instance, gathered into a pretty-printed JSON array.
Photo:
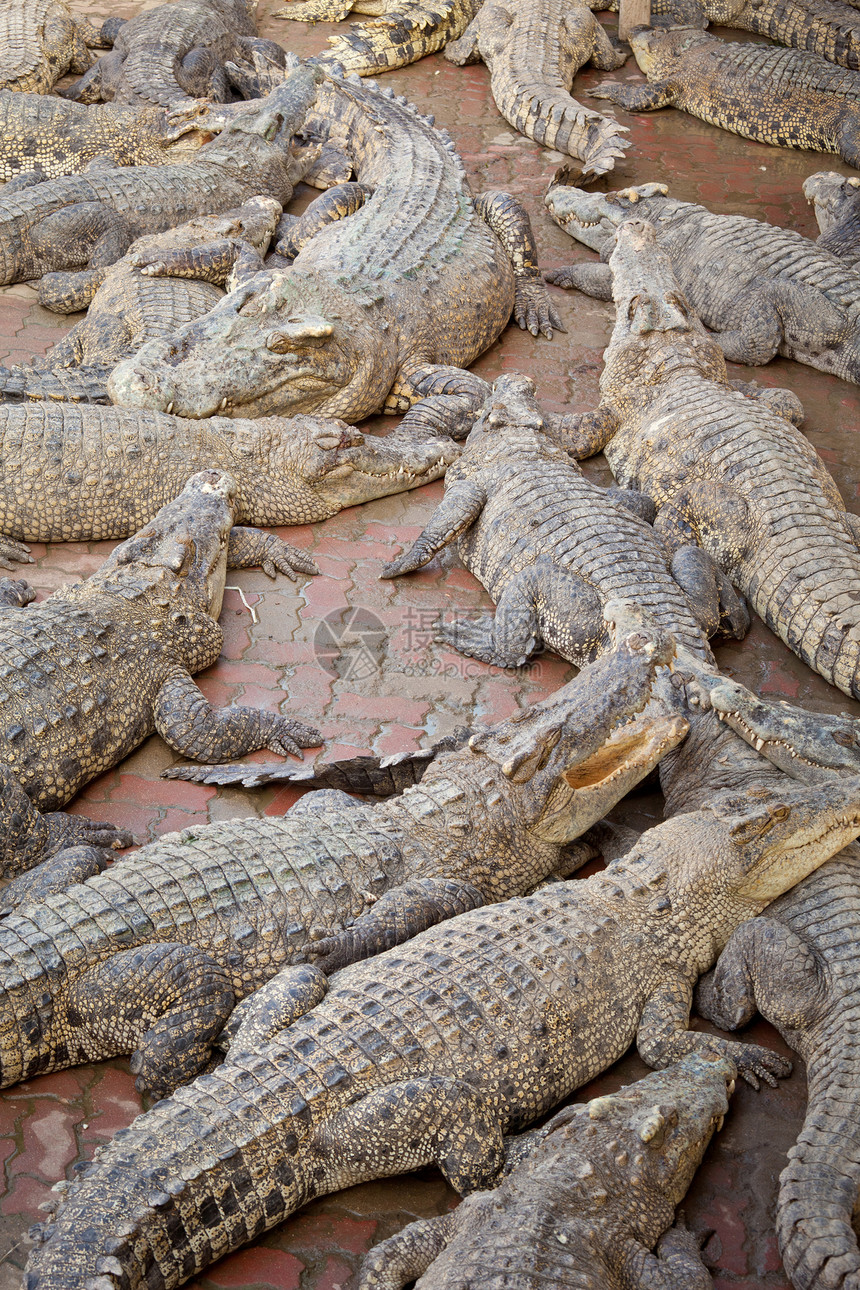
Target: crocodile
[
  {"x": 797, "y": 966},
  {"x": 552, "y": 549},
  {"x": 836, "y": 200},
  {"x": 174, "y": 52},
  {"x": 763, "y": 290},
  {"x": 401, "y": 34},
  {"x": 396, "y": 285},
  {"x": 432, "y": 1051},
  {"x": 81, "y": 474},
  {"x": 91, "y": 671},
  {"x": 786, "y": 97},
  {"x": 723, "y": 470},
  {"x": 42, "y": 136},
  {"x": 129, "y": 305},
  {"x": 42, "y": 40},
  {"x": 223, "y": 908},
  {"x": 92, "y": 219},
  {"x": 583, "y": 1201},
  {"x": 533, "y": 55},
  {"x": 824, "y": 27}
]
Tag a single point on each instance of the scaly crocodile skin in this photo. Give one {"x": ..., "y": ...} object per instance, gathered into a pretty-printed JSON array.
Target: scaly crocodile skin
[
  {"x": 432, "y": 1051},
  {"x": 41, "y": 40}
]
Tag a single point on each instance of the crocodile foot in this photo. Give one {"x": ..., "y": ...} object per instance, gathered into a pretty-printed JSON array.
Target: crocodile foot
[
  {"x": 12, "y": 553},
  {"x": 534, "y": 310}
]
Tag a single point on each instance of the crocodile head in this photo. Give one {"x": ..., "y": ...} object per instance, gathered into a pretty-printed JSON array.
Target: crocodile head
[
  {"x": 570, "y": 758},
  {"x": 280, "y": 343},
  {"x": 656, "y": 332},
  {"x": 833, "y": 196},
  {"x": 809, "y": 746},
  {"x": 663, "y": 1122},
  {"x": 271, "y": 122},
  {"x": 658, "y": 49},
  {"x": 593, "y": 217},
  {"x": 177, "y": 563},
  {"x": 329, "y": 465}
]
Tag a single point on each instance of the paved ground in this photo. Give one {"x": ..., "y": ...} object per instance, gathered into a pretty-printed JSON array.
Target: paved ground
[{"x": 386, "y": 693}]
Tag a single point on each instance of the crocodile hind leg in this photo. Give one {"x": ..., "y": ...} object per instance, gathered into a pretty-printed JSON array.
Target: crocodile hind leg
[
  {"x": 316, "y": 10},
  {"x": 15, "y": 593},
  {"x": 292, "y": 993},
  {"x": 94, "y": 234},
  {"x": 709, "y": 515},
  {"x": 202, "y": 76},
  {"x": 440, "y": 401},
  {"x": 780, "y": 313},
  {"x": 542, "y": 604},
  {"x": 784, "y": 403},
  {"x": 533, "y": 308},
  {"x": 422, "y": 1121},
  {"x": 714, "y": 600},
  {"x": 336, "y": 204},
  {"x": 397, "y": 916},
  {"x": 167, "y": 1004},
  {"x": 405, "y": 1257},
  {"x": 209, "y": 262}
]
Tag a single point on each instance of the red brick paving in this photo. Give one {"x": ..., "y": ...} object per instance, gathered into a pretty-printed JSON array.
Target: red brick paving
[{"x": 49, "y": 1123}]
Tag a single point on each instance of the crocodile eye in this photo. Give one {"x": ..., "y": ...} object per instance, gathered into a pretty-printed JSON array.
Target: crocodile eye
[
  {"x": 780, "y": 812},
  {"x": 279, "y": 343}
]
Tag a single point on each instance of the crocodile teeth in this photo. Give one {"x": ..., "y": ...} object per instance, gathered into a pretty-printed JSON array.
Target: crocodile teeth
[
  {"x": 170, "y": 406},
  {"x": 720, "y": 1122}
]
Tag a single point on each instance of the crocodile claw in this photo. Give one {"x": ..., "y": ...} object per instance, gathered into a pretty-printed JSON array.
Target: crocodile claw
[
  {"x": 290, "y": 737},
  {"x": 280, "y": 557},
  {"x": 12, "y": 553},
  {"x": 534, "y": 310}
]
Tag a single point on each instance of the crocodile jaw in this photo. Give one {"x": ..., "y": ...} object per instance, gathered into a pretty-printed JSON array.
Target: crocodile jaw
[{"x": 833, "y": 196}]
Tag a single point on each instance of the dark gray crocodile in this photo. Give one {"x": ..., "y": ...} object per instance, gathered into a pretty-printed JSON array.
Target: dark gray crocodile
[
  {"x": 221, "y": 909},
  {"x": 533, "y": 52},
  {"x": 836, "y": 200},
  {"x": 764, "y": 290},
  {"x": 825, "y": 27},
  {"x": 584, "y": 1200},
  {"x": 723, "y": 470},
  {"x": 173, "y": 52},
  {"x": 129, "y": 304},
  {"x": 431, "y": 1052},
  {"x": 92, "y": 219},
  {"x": 41, "y": 40},
  {"x": 551, "y": 548},
  {"x": 396, "y": 286},
  {"x": 42, "y": 137},
  {"x": 786, "y": 97},
  {"x": 76, "y": 473},
  {"x": 90, "y": 672}
]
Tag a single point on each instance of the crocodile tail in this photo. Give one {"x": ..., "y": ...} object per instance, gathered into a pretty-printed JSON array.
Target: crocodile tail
[
  {"x": 554, "y": 119},
  {"x": 63, "y": 384},
  {"x": 818, "y": 1189},
  {"x": 400, "y": 37},
  {"x": 367, "y": 776}
]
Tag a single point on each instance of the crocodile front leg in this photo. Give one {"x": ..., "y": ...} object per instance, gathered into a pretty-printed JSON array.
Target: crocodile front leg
[
  {"x": 28, "y": 837},
  {"x": 709, "y": 515},
  {"x": 458, "y": 510},
  {"x": 784, "y": 403},
  {"x": 398, "y": 915},
  {"x": 251, "y": 547},
  {"x": 53, "y": 876},
  {"x": 192, "y": 727},
  {"x": 590, "y": 277},
  {"x": 336, "y": 204},
  {"x": 533, "y": 308},
  {"x": 317, "y": 10},
  {"x": 637, "y": 98},
  {"x": 677, "y": 1265},
  {"x": 664, "y": 1037},
  {"x": 715, "y": 602},
  {"x": 211, "y": 262},
  {"x": 88, "y": 227},
  {"x": 540, "y": 605},
  {"x": 15, "y": 593},
  {"x": 583, "y": 434},
  {"x": 168, "y": 1002},
  {"x": 441, "y": 401},
  {"x": 405, "y": 1257}
]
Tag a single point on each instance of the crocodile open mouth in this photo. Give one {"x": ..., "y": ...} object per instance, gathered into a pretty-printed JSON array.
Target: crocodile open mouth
[{"x": 640, "y": 741}]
